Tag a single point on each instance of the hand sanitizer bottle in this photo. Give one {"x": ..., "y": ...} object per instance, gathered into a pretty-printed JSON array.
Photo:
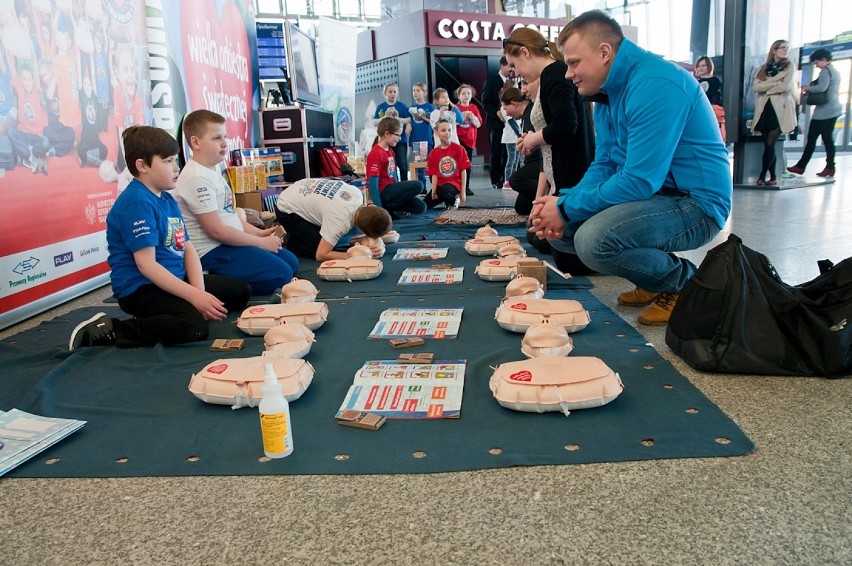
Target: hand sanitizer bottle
[{"x": 274, "y": 417}]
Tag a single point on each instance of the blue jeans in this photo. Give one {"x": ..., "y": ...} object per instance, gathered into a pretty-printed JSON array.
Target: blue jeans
[
  {"x": 636, "y": 240},
  {"x": 263, "y": 270}
]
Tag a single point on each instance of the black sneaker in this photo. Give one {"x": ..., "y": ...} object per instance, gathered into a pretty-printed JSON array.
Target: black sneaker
[
  {"x": 468, "y": 193},
  {"x": 97, "y": 331}
]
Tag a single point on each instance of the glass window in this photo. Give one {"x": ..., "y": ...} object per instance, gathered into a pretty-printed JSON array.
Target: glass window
[
  {"x": 349, "y": 8},
  {"x": 269, "y": 7},
  {"x": 297, "y": 7}
]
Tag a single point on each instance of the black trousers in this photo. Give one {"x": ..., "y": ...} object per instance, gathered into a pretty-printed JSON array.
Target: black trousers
[
  {"x": 446, "y": 193},
  {"x": 497, "y": 155},
  {"x": 160, "y": 317},
  {"x": 303, "y": 237},
  {"x": 816, "y": 129},
  {"x": 524, "y": 181}
]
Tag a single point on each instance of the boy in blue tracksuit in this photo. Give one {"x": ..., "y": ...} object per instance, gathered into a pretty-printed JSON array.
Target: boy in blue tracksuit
[{"x": 660, "y": 182}]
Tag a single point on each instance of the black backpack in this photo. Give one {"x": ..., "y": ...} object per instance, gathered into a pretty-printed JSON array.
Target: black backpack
[{"x": 737, "y": 316}]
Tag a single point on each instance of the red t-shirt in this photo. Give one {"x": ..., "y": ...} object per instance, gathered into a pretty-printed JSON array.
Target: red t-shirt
[
  {"x": 465, "y": 130},
  {"x": 381, "y": 164},
  {"x": 447, "y": 164},
  {"x": 31, "y": 115}
]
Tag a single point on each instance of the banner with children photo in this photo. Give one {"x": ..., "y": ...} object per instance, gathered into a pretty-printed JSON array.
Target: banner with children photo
[
  {"x": 337, "y": 63},
  {"x": 73, "y": 75}
]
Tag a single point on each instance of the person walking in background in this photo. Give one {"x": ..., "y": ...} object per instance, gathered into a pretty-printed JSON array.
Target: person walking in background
[
  {"x": 712, "y": 87},
  {"x": 395, "y": 109},
  {"x": 825, "y": 115},
  {"x": 491, "y": 107},
  {"x": 562, "y": 121},
  {"x": 467, "y": 128},
  {"x": 775, "y": 109},
  {"x": 399, "y": 198}
]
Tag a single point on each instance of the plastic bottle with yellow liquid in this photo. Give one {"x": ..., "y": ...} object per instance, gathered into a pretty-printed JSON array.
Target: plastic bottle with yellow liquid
[{"x": 274, "y": 417}]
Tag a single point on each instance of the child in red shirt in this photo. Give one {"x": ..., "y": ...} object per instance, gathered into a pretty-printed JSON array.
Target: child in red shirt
[
  {"x": 467, "y": 128},
  {"x": 384, "y": 189},
  {"x": 447, "y": 168}
]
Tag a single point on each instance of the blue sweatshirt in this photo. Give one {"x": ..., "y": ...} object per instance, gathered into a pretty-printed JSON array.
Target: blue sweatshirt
[{"x": 656, "y": 131}]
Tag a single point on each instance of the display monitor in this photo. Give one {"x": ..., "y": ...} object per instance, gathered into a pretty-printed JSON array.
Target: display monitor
[
  {"x": 303, "y": 69},
  {"x": 271, "y": 50}
]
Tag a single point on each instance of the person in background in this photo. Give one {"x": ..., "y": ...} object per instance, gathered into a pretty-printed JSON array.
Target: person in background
[
  {"x": 445, "y": 110},
  {"x": 524, "y": 181},
  {"x": 467, "y": 128},
  {"x": 824, "y": 116},
  {"x": 775, "y": 108},
  {"x": 393, "y": 108},
  {"x": 227, "y": 245},
  {"x": 421, "y": 127},
  {"x": 511, "y": 131},
  {"x": 448, "y": 168},
  {"x": 712, "y": 86},
  {"x": 491, "y": 108},
  {"x": 318, "y": 213},
  {"x": 399, "y": 198},
  {"x": 660, "y": 182},
  {"x": 156, "y": 274},
  {"x": 562, "y": 121}
]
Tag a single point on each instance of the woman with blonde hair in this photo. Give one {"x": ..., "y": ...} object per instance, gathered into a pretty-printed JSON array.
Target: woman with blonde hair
[{"x": 775, "y": 108}]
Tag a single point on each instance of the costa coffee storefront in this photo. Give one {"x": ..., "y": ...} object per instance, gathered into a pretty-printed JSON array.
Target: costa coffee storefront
[{"x": 442, "y": 49}]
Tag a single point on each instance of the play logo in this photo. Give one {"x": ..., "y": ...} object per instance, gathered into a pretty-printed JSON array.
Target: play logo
[{"x": 62, "y": 259}]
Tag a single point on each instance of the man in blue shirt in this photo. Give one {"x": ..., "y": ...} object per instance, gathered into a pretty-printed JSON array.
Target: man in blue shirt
[{"x": 660, "y": 182}]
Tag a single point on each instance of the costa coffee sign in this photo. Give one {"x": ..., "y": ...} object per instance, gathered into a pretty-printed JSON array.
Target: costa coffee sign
[{"x": 456, "y": 29}]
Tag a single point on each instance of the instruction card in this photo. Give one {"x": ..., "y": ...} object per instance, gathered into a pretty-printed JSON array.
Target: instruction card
[
  {"x": 408, "y": 391},
  {"x": 437, "y": 324},
  {"x": 23, "y": 435},
  {"x": 423, "y": 275},
  {"x": 420, "y": 253}
]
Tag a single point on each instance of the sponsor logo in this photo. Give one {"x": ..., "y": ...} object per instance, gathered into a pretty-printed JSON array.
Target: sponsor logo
[
  {"x": 91, "y": 213},
  {"x": 519, "y": 306},
  {"x": 91, "y": 250},
  {"x": 26, "y": 265},
  {"x": 218, "y": 369},
  {"x": 839, "y": 326},
  {"x": 62, "y": 259}
]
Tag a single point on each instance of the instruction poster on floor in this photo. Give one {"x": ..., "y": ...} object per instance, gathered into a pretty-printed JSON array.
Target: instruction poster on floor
[
  {"x": 437, "y": 324},
  {"x": 420, "y": 254},
  {"x": 426, "y": 275},
  {"x": 408, "y": 391}
]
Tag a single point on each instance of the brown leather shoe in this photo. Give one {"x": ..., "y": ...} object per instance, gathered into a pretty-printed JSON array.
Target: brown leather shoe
[
  {"x": 636, "y": 298},
  {"x": 827, "y": 172},
  {"x": 658, "y": 314}
]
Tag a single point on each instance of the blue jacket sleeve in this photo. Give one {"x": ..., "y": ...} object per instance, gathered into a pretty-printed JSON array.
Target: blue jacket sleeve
[
  {"x": 641, "y": 132},
  {"x": 373, "y": 188}
]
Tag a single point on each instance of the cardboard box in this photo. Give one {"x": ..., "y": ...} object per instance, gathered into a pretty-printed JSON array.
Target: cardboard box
[
  {"x": 227, "y": 345},
  {"x": 535, "y": 268},
  {"x": 252, "y": 199}
]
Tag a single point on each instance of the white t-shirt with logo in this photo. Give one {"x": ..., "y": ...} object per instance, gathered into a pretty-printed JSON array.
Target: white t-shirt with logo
[
  {"x": 327, "y": 203},
  {"x": 200, "y": 190}
]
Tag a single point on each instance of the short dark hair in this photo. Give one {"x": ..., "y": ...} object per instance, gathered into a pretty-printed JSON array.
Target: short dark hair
[
  {"x": 374, "y": 221},
  {"x": 596, "y": 23},
  {"x": 820, "y": 55},
  {"x": 195, "y": 123},
  {"x": 146, "y": 142},
  {"x": 503, "y": 61},
  {"x": 511, "y": 94}
]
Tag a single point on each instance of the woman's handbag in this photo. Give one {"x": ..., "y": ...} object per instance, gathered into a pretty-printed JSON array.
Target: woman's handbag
[{"x": 817, "y": 98}]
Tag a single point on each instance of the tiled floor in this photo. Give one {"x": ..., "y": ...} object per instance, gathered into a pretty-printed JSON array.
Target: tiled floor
[{"x": 787, "y": 503}]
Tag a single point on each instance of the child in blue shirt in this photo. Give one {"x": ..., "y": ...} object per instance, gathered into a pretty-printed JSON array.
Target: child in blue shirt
[
  {"x": 392, "y": 107},
  {"x": 421, "y": 128},
  {"x": 156, "y": 273}
]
